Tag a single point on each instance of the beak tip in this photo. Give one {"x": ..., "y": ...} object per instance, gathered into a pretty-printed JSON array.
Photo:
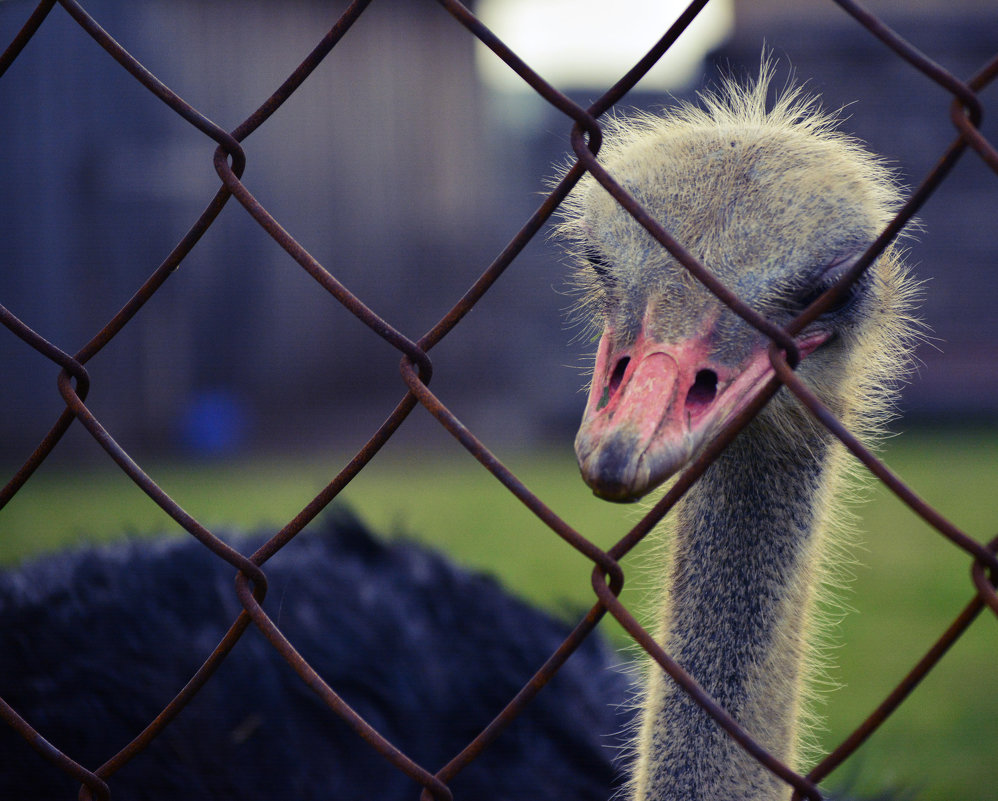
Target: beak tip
[
  {"x": 619, "y": 470},
  {"x": 615, "y": 494},
  {"x": 611, "y": 469}
]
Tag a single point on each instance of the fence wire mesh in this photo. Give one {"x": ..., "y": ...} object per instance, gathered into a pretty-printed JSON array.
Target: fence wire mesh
[{"x": 416, "y": 369}]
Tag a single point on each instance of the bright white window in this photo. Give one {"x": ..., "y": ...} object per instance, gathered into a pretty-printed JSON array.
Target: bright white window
[{"x": 587, "y": 44}]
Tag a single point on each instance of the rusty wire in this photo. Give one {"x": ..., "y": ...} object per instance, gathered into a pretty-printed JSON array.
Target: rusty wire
[{"x": 416, "y": 369}]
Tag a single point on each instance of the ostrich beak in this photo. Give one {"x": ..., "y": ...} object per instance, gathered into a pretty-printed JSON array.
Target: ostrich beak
[{"x": 653, "y": 405}]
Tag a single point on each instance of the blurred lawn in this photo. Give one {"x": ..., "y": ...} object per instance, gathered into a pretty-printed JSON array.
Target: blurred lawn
[{"x": 910, "y": 582}]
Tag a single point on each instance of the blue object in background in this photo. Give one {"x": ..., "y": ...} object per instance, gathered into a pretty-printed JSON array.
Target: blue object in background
[{"x": 215, "y": 422}]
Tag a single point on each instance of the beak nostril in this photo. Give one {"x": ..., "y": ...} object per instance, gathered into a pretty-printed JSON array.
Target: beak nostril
[
  {"x": 616, "y": 379},
  {"x": 703, "y": 391},
  {"x": 618, "y": 375}
]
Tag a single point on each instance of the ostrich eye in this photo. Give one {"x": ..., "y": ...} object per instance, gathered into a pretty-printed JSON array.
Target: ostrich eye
[
  {"x": 828, "y": 278},
  {"x": 846, "y": 299}
]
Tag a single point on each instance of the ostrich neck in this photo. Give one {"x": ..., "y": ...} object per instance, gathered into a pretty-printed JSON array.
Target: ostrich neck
[{"x": 735, "y": 616}]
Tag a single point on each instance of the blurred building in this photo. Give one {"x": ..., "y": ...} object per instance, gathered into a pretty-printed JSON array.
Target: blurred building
[
  {"x": 404, "y": 177},
  {"x": 381, "y": 166}
]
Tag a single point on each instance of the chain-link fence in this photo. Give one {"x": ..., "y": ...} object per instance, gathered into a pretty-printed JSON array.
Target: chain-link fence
[{"x": 416, "y": 368}]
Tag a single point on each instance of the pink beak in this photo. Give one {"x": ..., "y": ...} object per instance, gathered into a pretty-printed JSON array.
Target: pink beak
[{"x": 653, "y": 405}]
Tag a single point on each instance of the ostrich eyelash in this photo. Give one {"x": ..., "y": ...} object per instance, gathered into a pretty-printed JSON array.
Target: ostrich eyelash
[
  {"x": 846, "y": 299},
  {"x": 828, "y": 278}
]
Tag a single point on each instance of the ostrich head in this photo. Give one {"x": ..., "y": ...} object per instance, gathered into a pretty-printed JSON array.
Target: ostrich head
[{"x": 778, "y": 205}]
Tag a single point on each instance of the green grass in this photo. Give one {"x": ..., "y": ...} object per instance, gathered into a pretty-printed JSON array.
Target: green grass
[{"x": 909, "y": 585}]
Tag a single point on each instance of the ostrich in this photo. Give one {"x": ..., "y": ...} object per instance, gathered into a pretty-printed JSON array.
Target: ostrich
[
  {"x": 94, "y": 642},
  {"x": 778, "y": 204}
]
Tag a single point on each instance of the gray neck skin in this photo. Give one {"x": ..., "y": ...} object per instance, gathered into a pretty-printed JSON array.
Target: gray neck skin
[{"x": 739, "y": 590}]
